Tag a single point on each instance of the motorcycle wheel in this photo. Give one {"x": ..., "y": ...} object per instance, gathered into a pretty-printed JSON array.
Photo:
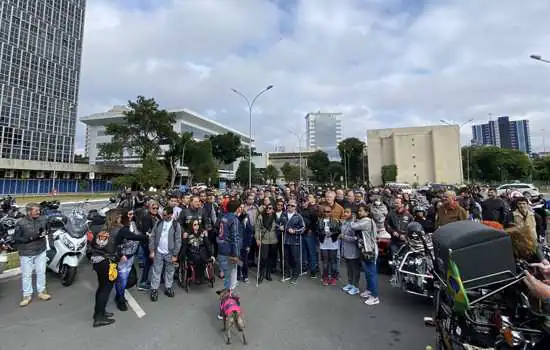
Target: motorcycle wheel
[{"x": 68, "y": 274}]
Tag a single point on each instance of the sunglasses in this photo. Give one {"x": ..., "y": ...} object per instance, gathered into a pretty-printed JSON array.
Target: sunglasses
[
  {"x": 292, "y": 205},
  {"x": 269, "y": 208},
  {"x": 327, "y": 212},
  {"x": 155, "y": 208},
  {"x": 195, "y": 224}
]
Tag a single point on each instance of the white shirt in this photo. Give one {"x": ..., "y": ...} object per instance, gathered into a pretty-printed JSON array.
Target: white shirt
[
  {"x": 289, "y": 215},
  {"x": 328, "y": 244},
  {"x": 163, "y": 242}
]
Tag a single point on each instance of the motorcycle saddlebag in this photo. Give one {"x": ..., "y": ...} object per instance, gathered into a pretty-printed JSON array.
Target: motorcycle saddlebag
[{"x": 484, "y": 255}]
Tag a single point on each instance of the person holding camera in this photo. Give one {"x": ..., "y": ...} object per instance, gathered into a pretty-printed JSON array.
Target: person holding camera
[{"x": 30, "y": 237}]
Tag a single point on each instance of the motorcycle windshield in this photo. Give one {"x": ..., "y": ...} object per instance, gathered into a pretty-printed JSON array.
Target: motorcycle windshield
[{"x": 76, "y": 226}]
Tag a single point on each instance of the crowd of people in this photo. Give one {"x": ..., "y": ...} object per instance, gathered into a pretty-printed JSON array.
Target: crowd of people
[{"x": 289, "y": 230}]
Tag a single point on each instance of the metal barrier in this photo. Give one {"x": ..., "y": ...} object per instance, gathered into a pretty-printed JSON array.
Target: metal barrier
[{"x": 45, "y": 186}]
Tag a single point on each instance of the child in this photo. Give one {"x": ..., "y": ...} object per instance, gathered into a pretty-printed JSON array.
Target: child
[
  {"x": 329, "y": 230},
  {"x": 351, "y": 253}
]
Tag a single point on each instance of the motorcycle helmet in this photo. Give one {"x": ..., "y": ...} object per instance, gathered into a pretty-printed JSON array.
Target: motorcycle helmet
[
  {"x": 419, "y": 209},
  {"x": 414, "y": 228}
]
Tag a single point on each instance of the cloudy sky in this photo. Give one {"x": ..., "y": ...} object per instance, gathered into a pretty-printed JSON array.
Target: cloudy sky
[{"x": 383, "y": 63}]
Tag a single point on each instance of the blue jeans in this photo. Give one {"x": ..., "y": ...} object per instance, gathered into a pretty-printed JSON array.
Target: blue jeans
[
  {"x": 36, "y": 263},
  {"x": 309, "y": 250},
  {"x": 229, "y": 272},
  {"x": 371, "y": 277},
  {"x": 148, "y": 262},
  {"x": 124, "y": 269}
]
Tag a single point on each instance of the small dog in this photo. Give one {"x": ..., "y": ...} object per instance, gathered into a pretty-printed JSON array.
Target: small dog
[{"x": 230, "y": 309}]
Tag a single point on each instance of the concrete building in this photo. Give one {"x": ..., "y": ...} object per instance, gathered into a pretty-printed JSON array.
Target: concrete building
[
  {"x": 186, "y": 121},
  {"x": 422, "y": 154},
  {"x": 324, "y": 132},
  {"x": 278, "y": 159},
  {"x": 40, "y": 52}
]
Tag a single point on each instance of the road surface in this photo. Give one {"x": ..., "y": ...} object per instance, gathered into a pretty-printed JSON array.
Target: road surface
[{"x": 279, "y": 316}]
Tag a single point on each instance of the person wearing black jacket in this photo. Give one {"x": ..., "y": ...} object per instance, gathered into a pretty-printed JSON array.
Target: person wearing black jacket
[
  {"x": 494, "y": 208},
  {"x": 146, "y": 218},
  {"x": 105, "y": 252},
  {"x": 310, "y": 212}
]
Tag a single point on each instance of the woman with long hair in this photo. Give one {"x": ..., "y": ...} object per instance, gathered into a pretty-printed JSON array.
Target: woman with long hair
[
  {"x": 127, "y": 250},
  {"x": 105, "y": 256},
  {"x": 266, "y": 239}
]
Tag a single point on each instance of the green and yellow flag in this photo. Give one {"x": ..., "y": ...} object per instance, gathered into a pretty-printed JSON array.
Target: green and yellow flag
[{"x": 456, "y": 288}]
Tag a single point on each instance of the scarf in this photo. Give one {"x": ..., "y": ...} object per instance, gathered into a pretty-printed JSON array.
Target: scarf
[{"x": 267, "y": 220}]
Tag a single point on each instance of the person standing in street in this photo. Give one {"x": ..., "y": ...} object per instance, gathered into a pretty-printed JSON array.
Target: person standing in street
[
  {"x": 293, "y": 230},
  {"x": 30, "y": 236}
]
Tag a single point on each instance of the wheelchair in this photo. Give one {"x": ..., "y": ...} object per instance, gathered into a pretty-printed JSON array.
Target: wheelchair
[{"x": 187, "y": 274}]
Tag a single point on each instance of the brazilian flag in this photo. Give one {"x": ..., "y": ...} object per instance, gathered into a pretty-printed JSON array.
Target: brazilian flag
[{"x": 456, "y": 288}]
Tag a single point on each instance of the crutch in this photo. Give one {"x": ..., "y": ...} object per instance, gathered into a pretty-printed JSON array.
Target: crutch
[
  {"x": 283, "y": 255},
  {"x": 302, "y": 272},
  {"x": 259, "y": 269}
]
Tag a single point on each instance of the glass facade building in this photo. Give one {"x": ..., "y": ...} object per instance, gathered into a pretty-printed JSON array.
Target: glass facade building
[
  {"x": 324, "y": 132},
  {"x": 40, "y": 52},
  {"x": 504, "y": 133}
]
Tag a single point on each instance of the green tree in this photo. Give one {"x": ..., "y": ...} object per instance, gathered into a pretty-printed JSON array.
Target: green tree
[
  {"x": 290, "y": 172},
  {"x": 244, "y": 152},
  {"x": 541, "y": 169},
  {"x": 200, "y": 161},
  {"x": 142, "y": 131},
  {"x": 351, "y": 153},
  {"x": 124, "y": 181},
  {"x": 152, "y": 173},
  {"x": 389, "y": 173},
  {"x": 334, "y": 171},
  {"x": 318, "y": 163},
  {"x": 226, "y": 147},
  {"x": 271, "y": 173},
  {"x": 494, "y": 164},
  {"x": 175, "y": 152},
  {"x": 241, "y": 175}
]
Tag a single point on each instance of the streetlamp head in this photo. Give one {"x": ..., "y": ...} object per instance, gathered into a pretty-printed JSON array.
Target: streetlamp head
[
  {"x": 444, "y": 121},
  {"x": 536, "y": 57},
  {"x": 235, "y": 91},
  {"x": 269, "y": 87}
]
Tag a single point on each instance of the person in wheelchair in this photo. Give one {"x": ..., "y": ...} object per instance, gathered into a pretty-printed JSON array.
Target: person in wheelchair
[{"x": 197, "y": 250}]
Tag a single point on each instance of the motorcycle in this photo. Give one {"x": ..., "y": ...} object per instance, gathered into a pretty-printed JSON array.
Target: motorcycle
[
  {"x": 6, "y": 246},
  {"x": 413, "y": 263},
  {"x": 66, "y": 246}
]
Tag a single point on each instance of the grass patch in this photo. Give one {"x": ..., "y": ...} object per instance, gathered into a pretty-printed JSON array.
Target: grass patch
[{"x": 63, "y": 197}]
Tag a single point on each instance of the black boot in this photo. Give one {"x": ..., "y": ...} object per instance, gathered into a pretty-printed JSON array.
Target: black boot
[
  {"x": 102, "y": 321},
  {"x": 268, "y": 273},
  {"x": 108, "y": 314},
  {"x": 121, "y": 303},
  {"x": 261, "y": 273}
]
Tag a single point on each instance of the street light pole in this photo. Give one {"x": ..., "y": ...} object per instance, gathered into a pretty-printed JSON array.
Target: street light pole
[
  {"x": 299, "y": 136},
  {"x": 539, "y": 58},
  {"x": 250, "y": 106},
  {"x": 183, "y": 159}
]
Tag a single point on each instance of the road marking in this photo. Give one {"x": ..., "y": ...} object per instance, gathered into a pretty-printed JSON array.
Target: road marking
[
  {"x": 10, "y": 273},
  {"x": 134, "y": 305}
]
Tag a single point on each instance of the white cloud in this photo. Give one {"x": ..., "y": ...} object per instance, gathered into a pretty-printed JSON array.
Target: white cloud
[{"x": 378, "y": 62}]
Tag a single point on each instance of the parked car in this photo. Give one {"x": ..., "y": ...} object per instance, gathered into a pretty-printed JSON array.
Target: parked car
[{"x": 527, "y": 190}]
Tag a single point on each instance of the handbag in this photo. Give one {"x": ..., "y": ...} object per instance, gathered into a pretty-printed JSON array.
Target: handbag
[
  {"x": 369, "y": 256},
  {"x": 113, "y": 272}
]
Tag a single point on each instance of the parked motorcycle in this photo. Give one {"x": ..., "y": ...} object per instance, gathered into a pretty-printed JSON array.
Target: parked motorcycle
[
  {"x": 66, "y": 246},
  {"x": 413, "y": 263},
  {"x": 6, "y": 246}
]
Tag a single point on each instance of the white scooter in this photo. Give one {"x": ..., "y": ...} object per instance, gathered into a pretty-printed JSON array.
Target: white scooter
[{"x": 69, "y": 248}]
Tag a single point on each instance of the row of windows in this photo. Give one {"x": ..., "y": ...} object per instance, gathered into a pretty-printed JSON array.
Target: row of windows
[
  {"x": 64, "y": 15},
  {"x": 45, "y": 156}
]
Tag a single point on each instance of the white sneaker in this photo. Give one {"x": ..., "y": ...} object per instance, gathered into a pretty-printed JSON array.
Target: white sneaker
[
  {"x": 347, "y": 287},
  {"x": 365, "y": 294},
  {"x": 353, "y": 291},
  {"x": 372, "y": 301}
]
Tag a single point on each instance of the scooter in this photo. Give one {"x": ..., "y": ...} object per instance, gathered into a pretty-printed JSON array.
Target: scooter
[{"x": 66, "y": 247}]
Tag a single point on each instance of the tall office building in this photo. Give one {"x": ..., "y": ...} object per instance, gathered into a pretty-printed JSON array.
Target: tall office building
[
  {"x": 504, "y": 133},
  {"x": 40, "y": 51},
  {"x": 324, "y": 132}
]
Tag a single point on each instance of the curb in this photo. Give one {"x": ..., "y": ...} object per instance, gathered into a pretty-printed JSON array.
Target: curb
[{"x": 11, "y": 273}]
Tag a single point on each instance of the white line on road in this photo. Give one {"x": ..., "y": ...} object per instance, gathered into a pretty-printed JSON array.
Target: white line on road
[{"x": 134, "y": 305}]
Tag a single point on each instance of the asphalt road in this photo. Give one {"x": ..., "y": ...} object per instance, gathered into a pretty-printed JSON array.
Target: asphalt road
[{"x": 279, "y": 316}]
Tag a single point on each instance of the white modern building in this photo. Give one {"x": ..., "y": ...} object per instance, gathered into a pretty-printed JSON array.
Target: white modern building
[
  {"x": 324, "y": 132},
  {"x": 186, "y": 121}
]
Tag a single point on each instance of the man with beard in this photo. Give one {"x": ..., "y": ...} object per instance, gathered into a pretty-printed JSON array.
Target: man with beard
[{"x": 396, "y": 224}]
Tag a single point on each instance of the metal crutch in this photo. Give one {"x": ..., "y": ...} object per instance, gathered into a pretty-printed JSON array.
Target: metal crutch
[
  {"x": 259, "y": 270},
  {"x": 283, "y": 255},
  {"x": 302, "y": 272}
]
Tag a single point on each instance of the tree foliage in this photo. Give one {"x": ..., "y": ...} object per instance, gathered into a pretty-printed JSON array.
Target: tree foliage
[
  {"x": 226, "y": 147},
  {"x": 541, "y": 169},
  {"x": 175, "y": 152},
  {"x": 200, "y": 161},
  {"x": 318, "y": 163},
  {"x": 493, "y": 164},
  {"x": 389, "y": 173},
  {"x": 271, "y": 173},
  {"x": 334, "y": 171},
  {"x": 142, "y": 131},
  {"x": 290, "y": 172},
  {"x": 152, "y": 173},
  {"x": 241, "y": 175},
  {"x": 351, "y": 153}
]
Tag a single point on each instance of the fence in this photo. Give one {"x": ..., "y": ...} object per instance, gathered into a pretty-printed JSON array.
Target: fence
[{"x": 45, "y": 186}]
